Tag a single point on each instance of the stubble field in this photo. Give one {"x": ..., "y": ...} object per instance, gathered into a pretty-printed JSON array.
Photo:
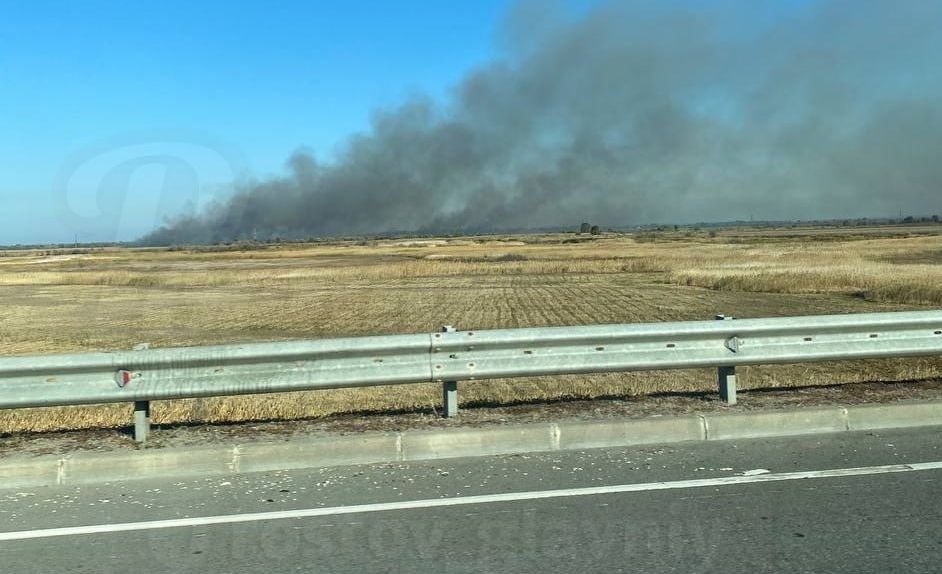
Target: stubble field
[{"x": 77, "y": 300}]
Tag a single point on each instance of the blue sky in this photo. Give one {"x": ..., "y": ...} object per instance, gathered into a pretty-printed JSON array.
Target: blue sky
[
  {"x": 226, "y": 86},
  {"x": 115, "y": 115}
]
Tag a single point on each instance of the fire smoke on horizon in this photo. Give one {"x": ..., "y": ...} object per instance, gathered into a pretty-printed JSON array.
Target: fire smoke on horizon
[{"x": 636, "y": 112}]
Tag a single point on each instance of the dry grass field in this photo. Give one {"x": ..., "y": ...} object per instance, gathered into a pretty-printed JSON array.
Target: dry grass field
[{"x": 75, "y": 300}]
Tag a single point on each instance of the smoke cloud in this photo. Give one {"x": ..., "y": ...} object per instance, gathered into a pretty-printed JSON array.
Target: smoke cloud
[{"x": 636, "y": 112}]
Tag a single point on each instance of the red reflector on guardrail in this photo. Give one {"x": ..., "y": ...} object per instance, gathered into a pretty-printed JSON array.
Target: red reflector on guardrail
[{"x": 122, "y": 377}]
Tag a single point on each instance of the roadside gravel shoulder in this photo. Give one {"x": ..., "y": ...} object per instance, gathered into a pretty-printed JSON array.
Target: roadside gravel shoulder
[{"x": 119, "y": 440}]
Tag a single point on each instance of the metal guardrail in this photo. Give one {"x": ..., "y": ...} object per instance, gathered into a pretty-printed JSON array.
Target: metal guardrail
[{"x": 450, "y": 356}]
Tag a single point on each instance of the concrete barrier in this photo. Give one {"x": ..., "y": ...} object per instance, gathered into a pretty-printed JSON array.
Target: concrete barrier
[
  {"x": 899, "y": 415},
  {"x": 30, "y": 472},
  {"x": 449, "y": 443},
  {"x": 774, "y": 423},
  {"x": 82, "y": 468},
  {"x": 599, "y": 434},
  {"x": 318, "y": 452}
]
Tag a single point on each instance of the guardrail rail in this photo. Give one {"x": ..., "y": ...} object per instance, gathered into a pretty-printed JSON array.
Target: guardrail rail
[{"x": 450, "y": 356}]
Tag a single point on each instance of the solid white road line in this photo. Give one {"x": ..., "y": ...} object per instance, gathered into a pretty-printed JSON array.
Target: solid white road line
[{"x": 461, "y": 501}]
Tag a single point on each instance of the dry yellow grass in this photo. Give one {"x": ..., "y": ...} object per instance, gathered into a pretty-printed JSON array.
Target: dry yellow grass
[
  {"x": 113, "y": 298},
  {"x": 906, "y": 271}
]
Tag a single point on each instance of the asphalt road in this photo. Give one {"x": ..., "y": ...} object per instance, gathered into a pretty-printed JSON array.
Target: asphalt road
[{"x": 885, "y": 518}]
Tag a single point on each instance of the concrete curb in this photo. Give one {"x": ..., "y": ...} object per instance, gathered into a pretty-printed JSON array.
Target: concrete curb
[
  {"x": 775, "y": 423},
  {"x": 91, "y": 467},
  {"x": 872, "y": 417}
]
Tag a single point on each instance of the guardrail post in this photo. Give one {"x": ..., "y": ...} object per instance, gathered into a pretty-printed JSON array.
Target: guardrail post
[
  {"x": 141, "y": 420},
  {"x": 726, "y": 376},
  {"x": 449, "y": 389}
]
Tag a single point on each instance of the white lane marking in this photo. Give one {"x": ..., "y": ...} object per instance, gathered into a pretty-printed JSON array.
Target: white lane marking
[{"x": 462, "y": 501}]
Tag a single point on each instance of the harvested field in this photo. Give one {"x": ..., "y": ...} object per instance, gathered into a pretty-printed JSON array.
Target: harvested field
[{"x": 113, "y": 298}]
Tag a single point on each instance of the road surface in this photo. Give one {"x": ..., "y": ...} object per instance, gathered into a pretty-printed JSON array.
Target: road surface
[{"x": 764, "y": 505}]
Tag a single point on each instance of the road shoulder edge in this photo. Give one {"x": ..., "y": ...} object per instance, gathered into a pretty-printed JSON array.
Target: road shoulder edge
[{"x": 414, "y": 445}]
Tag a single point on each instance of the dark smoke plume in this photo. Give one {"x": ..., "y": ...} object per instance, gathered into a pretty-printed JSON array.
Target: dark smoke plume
[{"x": 637, "y": 112}]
